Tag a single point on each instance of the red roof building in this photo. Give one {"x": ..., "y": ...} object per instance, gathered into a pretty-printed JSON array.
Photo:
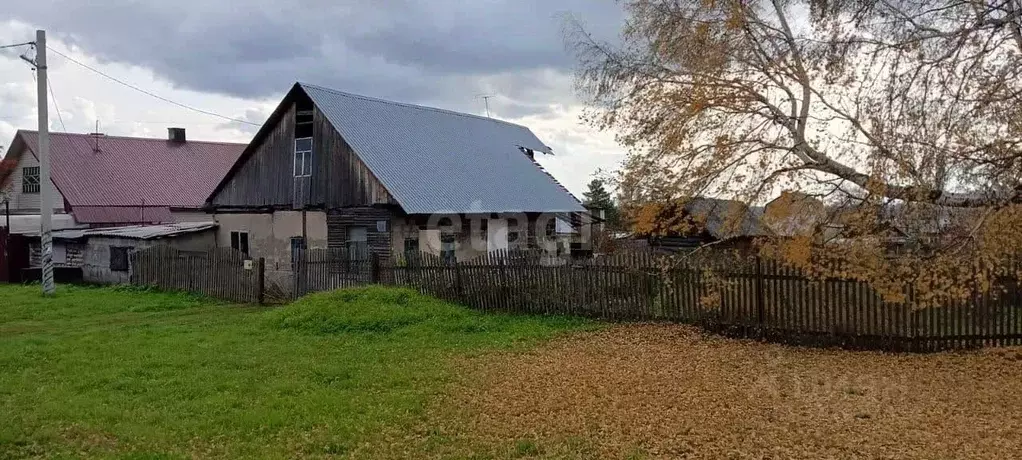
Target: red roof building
[{"x": 108, "y": 180}]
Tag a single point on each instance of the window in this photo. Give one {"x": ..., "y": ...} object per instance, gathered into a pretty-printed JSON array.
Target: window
[
  {"x": 357, "y": 243},
  {"x": 118, "y": 259},
  {"x": 59, "y": 254},
  {"x": 411, "y": 247},
  {"x": 512, "y": 237},
  {"x": 297, "y": 245},
  {"x": 30, "y": 179},
  {"x": 303, "y": 157},
  {"x": 239, "y": 242}
]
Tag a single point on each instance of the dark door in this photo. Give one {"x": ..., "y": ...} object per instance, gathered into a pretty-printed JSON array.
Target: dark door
[
  {"x": 17, "y": 257},
  {"x": 4, "y": 271}
]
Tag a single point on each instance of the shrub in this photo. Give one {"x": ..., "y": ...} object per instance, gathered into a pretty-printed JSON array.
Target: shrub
[{"x": 372, "y": 309}]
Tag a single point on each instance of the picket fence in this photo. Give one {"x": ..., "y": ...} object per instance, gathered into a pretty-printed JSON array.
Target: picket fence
[{"x": 741, "y": 297}]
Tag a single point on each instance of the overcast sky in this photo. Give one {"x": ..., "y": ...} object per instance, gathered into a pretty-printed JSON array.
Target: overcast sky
[{"x": 239, "y": 58}]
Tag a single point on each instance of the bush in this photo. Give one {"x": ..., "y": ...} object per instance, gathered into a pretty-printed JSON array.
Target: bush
[{"x": 372, "y": 309}]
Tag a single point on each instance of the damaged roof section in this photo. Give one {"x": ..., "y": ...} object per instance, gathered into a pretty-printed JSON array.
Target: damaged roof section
[{"x": 137, "y": 232}]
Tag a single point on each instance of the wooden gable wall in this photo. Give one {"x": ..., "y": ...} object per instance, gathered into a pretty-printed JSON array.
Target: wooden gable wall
[{"x": 266, "y": 177}]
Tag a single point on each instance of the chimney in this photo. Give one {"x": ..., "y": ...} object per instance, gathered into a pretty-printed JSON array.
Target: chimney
[
  {"x": 176, "y": 135},
  {"x": 95, "y": 141}
]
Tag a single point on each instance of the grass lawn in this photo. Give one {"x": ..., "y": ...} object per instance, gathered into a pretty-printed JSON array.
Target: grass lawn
[{"x": 102, "y": 372}]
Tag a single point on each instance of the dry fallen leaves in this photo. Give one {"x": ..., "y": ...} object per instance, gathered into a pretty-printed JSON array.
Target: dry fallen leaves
[{"x": 665, "y": 391}]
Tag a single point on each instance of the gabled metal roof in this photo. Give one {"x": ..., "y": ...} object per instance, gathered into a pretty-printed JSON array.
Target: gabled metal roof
[
  {"x": 438, "y": 161},
  {"x": 134, "y": 171}
]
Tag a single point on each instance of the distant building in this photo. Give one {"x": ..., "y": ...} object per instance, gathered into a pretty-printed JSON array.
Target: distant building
[{"x": 112, "y": 180}]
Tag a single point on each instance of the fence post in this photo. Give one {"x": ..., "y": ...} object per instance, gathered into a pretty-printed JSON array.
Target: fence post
[
  {"x": 759, "y": 291},
  {"x": 374, "y": 268},
  {"x": 261, "y": 280},
  {"x": 457, "y": 280}
]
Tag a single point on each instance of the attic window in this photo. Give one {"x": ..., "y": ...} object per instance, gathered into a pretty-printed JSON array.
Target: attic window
[
  {"x": 303, "y": 157},
  {"x": 30, "y": 179}
]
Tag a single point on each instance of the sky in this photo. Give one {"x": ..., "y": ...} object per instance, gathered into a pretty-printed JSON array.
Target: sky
[{"x": 239, "y": 58}]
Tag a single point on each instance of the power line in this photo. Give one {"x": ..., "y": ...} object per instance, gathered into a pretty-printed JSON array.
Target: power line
[
  {"x": 206, "y": 112},
  {"x": 55, "y": 107},
  {"x": 16, "y": 44}
]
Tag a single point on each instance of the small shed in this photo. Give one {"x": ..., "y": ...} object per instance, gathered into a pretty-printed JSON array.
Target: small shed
[{"x": 103, "y": 254}]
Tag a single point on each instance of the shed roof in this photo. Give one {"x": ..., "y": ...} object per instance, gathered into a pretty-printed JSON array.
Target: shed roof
[
  {"x": 139, "y": 232},
  {"x": 132, "y": 171},
  {"x": 438, "y": 161}
]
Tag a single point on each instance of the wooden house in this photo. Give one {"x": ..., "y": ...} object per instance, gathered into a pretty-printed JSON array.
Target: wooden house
[
  {"x": 690, "y": 223},
  {"x": 338, "y": 170},
  {"x": 102, "y": 181}
]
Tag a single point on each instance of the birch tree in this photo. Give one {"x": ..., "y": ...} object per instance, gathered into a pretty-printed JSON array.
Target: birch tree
[{"x": 901, "y": 111}]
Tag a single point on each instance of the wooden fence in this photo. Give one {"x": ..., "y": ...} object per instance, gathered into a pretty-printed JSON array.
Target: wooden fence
[
  {"x": 749, "y": 298},
  {"x": 221, "y": 273}
]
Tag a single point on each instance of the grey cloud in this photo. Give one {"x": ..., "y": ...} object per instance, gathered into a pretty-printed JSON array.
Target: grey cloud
[{"x": 427, "y": 51}]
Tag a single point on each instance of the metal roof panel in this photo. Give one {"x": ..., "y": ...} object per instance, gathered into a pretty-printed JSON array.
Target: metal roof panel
[{"x": 438, "y": 161}]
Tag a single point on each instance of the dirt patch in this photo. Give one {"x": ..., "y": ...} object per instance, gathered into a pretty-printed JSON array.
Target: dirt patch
[{"x": 656, "y": 391}]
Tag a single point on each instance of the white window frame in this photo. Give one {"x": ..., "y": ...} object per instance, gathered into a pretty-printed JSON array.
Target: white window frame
[
  {"x": 306, "y": 159},
  {"x": 31, "y": 179}
]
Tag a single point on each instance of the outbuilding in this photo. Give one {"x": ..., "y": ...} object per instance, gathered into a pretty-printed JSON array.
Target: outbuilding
[{"x": 102, "y": 255}]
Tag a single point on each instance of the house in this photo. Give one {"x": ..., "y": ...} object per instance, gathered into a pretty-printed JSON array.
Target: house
[
  {"x": 102, "y": 255},
  {"x": 338, "y": 170},
  {"x": 795, "y": 214},
  {"x": 110, "y": 180},
  {"x": 694, "y": 222}
]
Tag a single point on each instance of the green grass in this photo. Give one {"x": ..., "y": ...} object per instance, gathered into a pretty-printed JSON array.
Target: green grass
[{"x": 122, "y": 373}]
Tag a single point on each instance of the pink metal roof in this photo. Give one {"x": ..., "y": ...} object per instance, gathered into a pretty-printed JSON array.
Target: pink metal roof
[
  {"x": 122, "y": 214},
  {"x": 134, "y": 172}
]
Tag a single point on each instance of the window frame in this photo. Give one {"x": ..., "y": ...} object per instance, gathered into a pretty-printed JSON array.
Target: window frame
[
  {"x": 411, "y": 251},
  {"x": 26, "y": 186},
  {"x": 353, "y": 246},
  {"x": 306, "y": 158},
  {"x": 238, "y": 243},
  {"x": 116, "y": 255}
]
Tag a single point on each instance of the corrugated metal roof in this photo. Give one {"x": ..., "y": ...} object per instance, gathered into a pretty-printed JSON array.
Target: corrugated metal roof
[
  {"x": 725, "y": 219},
  {"x": 139, "y": 232},
  {"x": 438, "y": 161},
  {"x": 132, "y": 171},
  {"x": 122, "y": 214}
]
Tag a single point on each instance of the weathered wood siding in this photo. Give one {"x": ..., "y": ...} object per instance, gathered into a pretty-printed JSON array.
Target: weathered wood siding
[
  {"x": 339, "y": 220},
  {"x": 345, "y": 181},
  {"x": 266, "y": 178},
  {"x": 339, "y": 178}
]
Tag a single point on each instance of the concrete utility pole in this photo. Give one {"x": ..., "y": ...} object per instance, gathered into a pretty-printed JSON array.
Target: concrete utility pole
[{"x": 45, "y": 185}]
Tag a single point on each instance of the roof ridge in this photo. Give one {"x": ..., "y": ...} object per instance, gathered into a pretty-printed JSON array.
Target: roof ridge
[
  {"x": 152, "y": 139},
  {"x": 409, "y": 105}
]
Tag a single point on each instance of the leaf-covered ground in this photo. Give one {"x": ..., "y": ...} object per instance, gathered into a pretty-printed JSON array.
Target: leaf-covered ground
[{"x": 654, "y": 391}]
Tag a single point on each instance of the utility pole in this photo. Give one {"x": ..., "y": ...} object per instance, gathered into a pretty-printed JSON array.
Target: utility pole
[{"x": 45, "y": 185}]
